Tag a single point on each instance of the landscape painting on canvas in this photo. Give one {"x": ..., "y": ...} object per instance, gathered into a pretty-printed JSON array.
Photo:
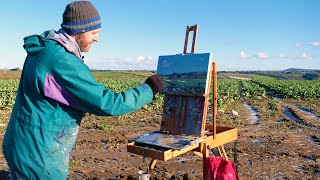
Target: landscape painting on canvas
[{"x": 184, "y": 73}]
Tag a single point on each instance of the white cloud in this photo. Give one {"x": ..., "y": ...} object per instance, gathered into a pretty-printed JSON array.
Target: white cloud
[
  {"x": 127, "y": 63},
  {"x": 262, "y": 55},
  {"x": 298, "y": 45},
  {"x": 286, "y": 56},
  {"x": 282, "y": 55},
  {"x": 140, "y": 58},
  {"x": 317, "y": 43},
  {"x": 296, "y": 57},
  {"x": 244, "y": 55},
  {"x": 306, "y": 56}
]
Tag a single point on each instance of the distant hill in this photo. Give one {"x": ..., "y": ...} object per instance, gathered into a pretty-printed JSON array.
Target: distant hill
[
  {"x": 300, "y": 71},
  {"x": 190, "y": 75},
  {"x": 295, "y": 73},
  {"x": 288, "y": 74}
]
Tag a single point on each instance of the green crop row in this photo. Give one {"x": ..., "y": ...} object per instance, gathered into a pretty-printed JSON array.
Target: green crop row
[
  {"x": 297, "y": 89},
  {"x": 250, "y": 89},
  {"x": 228, "y": 92},
  {"x": 8, "y": 90}
]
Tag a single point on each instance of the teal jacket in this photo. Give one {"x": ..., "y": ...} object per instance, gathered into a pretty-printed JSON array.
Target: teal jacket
[{"x": 56, "y": 89}]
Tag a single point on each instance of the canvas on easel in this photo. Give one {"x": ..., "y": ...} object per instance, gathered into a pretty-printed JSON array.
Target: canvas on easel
[
  {"x": 185, "y": 78},
  {"x": 184, "y": 73}
]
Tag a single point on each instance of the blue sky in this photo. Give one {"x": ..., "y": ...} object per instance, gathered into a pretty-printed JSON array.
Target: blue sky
[
  {"x": 183, "y": 63},
  {"x": 241, "y": 34}
]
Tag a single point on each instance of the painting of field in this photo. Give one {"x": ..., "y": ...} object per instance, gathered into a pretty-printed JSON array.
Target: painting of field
[{"x": 184, "y": 73}]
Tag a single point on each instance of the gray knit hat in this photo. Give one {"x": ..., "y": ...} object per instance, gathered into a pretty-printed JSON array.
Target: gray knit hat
[{"x": 79, "y": 17}]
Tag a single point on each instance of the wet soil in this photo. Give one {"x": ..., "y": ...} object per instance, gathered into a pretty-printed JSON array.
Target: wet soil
[{"x": 275, "y": 148}]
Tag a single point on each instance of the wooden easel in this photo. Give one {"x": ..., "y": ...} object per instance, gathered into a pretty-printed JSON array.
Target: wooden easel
[{"x": 213, "y": 136}]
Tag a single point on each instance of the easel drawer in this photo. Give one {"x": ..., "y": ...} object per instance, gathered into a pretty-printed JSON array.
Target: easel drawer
[{"x": 163, "y": 155}]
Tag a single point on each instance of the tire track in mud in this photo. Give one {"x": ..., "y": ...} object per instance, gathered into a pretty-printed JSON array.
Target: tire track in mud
[
  {"x": 293, "y": 116},
  {"x": 308, "y": 113},
  {"x": 303, "y": 117},
  {"x": 299, "y": 116}
]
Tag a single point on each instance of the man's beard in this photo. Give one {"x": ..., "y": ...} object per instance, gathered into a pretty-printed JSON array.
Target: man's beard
[{"x": 83, "y": 44}]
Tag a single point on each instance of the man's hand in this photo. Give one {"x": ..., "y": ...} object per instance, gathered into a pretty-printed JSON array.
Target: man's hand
[{"x": 155, "y": 83}]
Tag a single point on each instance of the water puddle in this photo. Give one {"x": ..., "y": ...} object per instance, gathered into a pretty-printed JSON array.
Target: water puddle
[
  {"x": 253, "y": 118},
  {"x": 280, "y": 120},
  {"x": 261, "y": 143},
  {"x": 294, "y": 118}
]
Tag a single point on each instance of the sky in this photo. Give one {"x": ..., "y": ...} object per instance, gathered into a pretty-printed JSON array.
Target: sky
[
  {"x": 241, "y": 34},
  {"x": 183, "y": 63}
]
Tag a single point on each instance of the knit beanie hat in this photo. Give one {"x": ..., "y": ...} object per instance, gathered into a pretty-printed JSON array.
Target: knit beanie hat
[{"x": 80, "y": 17}]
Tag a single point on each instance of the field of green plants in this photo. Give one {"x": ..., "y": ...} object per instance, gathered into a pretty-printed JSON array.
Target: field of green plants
[{"x": 229, "y": 90}]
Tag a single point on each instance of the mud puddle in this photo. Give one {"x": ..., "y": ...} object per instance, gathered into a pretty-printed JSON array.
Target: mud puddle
[{"x": 253, "y": 117}]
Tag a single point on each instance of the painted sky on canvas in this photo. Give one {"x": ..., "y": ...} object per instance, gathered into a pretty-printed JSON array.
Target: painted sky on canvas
[
  {"x": 241, "y": 34},
  {"x": 183, "y": 63}
]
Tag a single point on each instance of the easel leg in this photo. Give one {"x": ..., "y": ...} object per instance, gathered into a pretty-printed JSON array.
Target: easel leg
[
  {"x": 205, "y": 154},
  {"x": 224, "y": 152},
  {"x": 219, "y": 151},
  {"x": 152, "y": 164}
]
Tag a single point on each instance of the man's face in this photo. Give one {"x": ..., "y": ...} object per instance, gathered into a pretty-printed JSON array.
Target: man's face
[{"x": 85, "y": 40}]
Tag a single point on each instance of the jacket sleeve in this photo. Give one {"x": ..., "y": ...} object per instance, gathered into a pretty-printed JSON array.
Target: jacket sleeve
[{"x": 71, "y": 82}]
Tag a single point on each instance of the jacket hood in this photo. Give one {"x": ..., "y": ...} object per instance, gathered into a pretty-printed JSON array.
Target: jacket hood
[{"x": 36, "y": 43}]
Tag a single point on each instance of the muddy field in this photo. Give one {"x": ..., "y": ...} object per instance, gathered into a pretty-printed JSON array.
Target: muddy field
[{"x": 278, "y": 139}]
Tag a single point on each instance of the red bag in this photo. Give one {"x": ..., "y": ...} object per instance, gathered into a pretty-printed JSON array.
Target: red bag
[{"x": 218, "y": 168}]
